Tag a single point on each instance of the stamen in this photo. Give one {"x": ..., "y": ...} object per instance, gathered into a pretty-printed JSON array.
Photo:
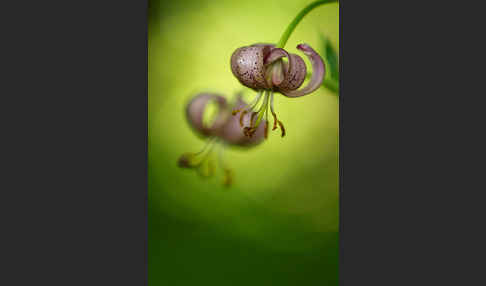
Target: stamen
[
  {"x": 241, "y": 117},
  {"x": 266, "y": 129},
  {"x": 266, "y": 123},
  {"x": 250, "y": 105},
  {"x": 281, "y": 127},
  {"x": 228, "y": 177},
  {"x": 249, "y": 131},
  {"x": 262, "y": 109},
  {"x": 202, "y": 161},
  {"x": 227, "y": 172},
  {"x": 207, "y": 167},
  {"x": 210, "y": 143},
  {"x": 275, "y": 120},
  {"x": 273, "y": 113},
  {"x": 253, "y": 114}
]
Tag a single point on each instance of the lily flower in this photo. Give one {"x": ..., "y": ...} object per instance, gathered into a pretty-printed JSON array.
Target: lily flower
[
  {"x": 221, "y": 131},
  {"x": 262, "y": 68}
]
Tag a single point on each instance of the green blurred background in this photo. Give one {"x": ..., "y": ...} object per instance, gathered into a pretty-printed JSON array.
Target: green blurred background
[{"x": 278, "y": 223}]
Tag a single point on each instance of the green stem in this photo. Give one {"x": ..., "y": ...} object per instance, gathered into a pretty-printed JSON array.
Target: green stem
[
  {"x": 333, "y": 85},
  {"x": 298, "y": 18}
]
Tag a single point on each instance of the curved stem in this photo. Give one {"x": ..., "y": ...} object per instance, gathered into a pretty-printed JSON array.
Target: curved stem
[
  {"x": 333, "y": 85},
  {"x": 298, "y": 18}
]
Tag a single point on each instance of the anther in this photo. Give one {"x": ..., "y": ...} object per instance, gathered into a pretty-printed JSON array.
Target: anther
[
  {"x": 274, "y": 121},
  {"x": 266, "y": 129},
  {"x": 249, "y": 131},
  {"x": 281, "y": 127},
  {"x": 228, "y": 177},
  {"x": 252, "y": 116},
  {"x": 241, "y": 117}
]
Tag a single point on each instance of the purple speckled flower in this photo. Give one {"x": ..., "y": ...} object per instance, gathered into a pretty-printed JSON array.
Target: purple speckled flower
[
  {"x": 222, "y": 130},
  {"x": 262, "y": 68}
]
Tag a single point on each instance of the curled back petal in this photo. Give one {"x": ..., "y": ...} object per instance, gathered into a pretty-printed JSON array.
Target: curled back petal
[
  {"x": 318, "y": 72},
  {"x": 294, "y": 72},
  {"x": 274, "y": 55},
  {"x": 195, "y": 112}
]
